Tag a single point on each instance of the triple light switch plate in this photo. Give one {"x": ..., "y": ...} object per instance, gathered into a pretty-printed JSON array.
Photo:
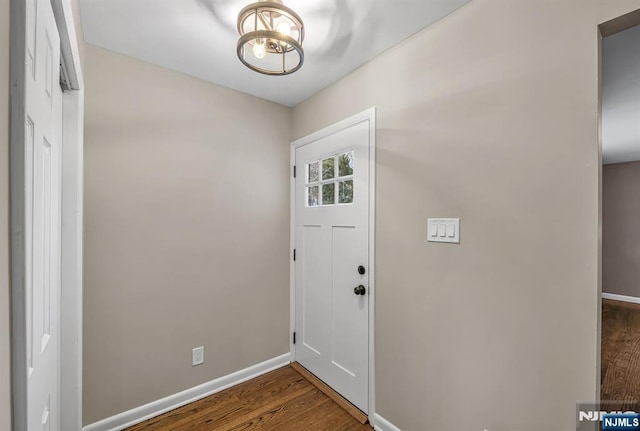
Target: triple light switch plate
[{"x": 444, "y": 230}]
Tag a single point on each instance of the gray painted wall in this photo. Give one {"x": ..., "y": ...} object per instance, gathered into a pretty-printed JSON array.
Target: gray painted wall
[
  {"x": 490, "y": 115},
  {"x": 621, "y": 229},
  {"x": 186, "y": 232}
]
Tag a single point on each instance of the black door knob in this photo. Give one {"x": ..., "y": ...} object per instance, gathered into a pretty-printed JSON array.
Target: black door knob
[
  {"x": 360, "y": 290},
  {"x": 361, "y": 270}
]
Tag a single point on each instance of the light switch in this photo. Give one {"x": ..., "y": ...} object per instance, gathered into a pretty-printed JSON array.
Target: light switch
[
  {"x": 443, "y": 230},
  {"x": 451, "y": 230},
  {"x": 433, "y": 229}
]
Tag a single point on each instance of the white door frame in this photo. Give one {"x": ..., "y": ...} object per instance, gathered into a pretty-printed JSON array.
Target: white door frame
[
  {"x": 71, "y": 219},
  {"x": 369, "y": 115}
]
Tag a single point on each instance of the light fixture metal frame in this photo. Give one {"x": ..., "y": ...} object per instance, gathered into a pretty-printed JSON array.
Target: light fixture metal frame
[{"x": 286, "y": 43}]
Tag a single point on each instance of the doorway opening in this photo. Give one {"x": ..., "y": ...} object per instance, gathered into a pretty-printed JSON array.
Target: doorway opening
[{"x": 620, "y": 214}]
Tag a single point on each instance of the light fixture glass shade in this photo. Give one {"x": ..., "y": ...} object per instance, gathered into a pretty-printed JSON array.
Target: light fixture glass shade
[{"x": 271, "y": 37}]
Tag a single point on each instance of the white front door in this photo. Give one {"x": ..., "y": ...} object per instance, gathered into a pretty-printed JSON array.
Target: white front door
[
  {"x": 43, "y": 134},
  {"x": 332, "y": 307}
]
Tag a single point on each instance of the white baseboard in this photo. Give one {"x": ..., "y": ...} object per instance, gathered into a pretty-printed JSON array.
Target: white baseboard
[
  {"x": 155, "y": 408},
  {"x": 381, "y": 424},
  {"x": 622, "y": 298}
]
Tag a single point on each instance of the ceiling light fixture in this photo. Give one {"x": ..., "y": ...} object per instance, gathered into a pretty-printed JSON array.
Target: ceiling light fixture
[{"x": 271, "y": 36}]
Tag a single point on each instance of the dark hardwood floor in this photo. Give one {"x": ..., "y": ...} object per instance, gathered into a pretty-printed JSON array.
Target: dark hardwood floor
[
  {"x": 620, "y": 366},
  {"x": 282, "y": 400}
]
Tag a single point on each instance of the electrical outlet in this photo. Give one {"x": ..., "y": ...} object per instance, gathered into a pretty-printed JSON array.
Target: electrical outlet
[{"x": 197, "y": 356}]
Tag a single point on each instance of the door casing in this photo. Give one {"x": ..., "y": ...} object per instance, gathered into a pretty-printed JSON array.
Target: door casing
[{"x": 370, "y": 115}]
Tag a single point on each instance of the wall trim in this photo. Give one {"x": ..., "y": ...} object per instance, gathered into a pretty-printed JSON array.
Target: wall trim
[
  {"x": 622, "y": 298},
  {"x": 156, "y": 408},
  {"x": 381, "y": 424}
]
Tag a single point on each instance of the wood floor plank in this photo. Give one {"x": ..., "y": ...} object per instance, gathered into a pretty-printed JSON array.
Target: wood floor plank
[
  {"x": 287, "y": 415},
  {"x": 336, "y": 397},
  {"x": 247, "y": 402},
  {"x": 246, "y": 408},
  {"x": 228, "y": 403},
  {"x": 282, "y": 400},
  {"x": 620, "y": 353}
]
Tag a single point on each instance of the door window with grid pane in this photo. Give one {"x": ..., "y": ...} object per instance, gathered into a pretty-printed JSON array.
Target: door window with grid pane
[{"x": 330, "y": 181}]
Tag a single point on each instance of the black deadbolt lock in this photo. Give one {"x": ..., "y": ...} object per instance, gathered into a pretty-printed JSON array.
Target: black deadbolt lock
[{"x": 361, "y": 270}]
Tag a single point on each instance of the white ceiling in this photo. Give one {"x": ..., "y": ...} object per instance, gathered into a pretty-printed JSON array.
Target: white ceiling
[
  {"x": 198, "y": 37},
  {"x": 621, "y": 97}
]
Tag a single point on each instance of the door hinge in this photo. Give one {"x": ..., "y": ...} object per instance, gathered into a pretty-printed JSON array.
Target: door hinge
[
  {"x": 294, "y": 338},
  {"x": 294, "y": 171},
  {"x": 294, "y": 254}
]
